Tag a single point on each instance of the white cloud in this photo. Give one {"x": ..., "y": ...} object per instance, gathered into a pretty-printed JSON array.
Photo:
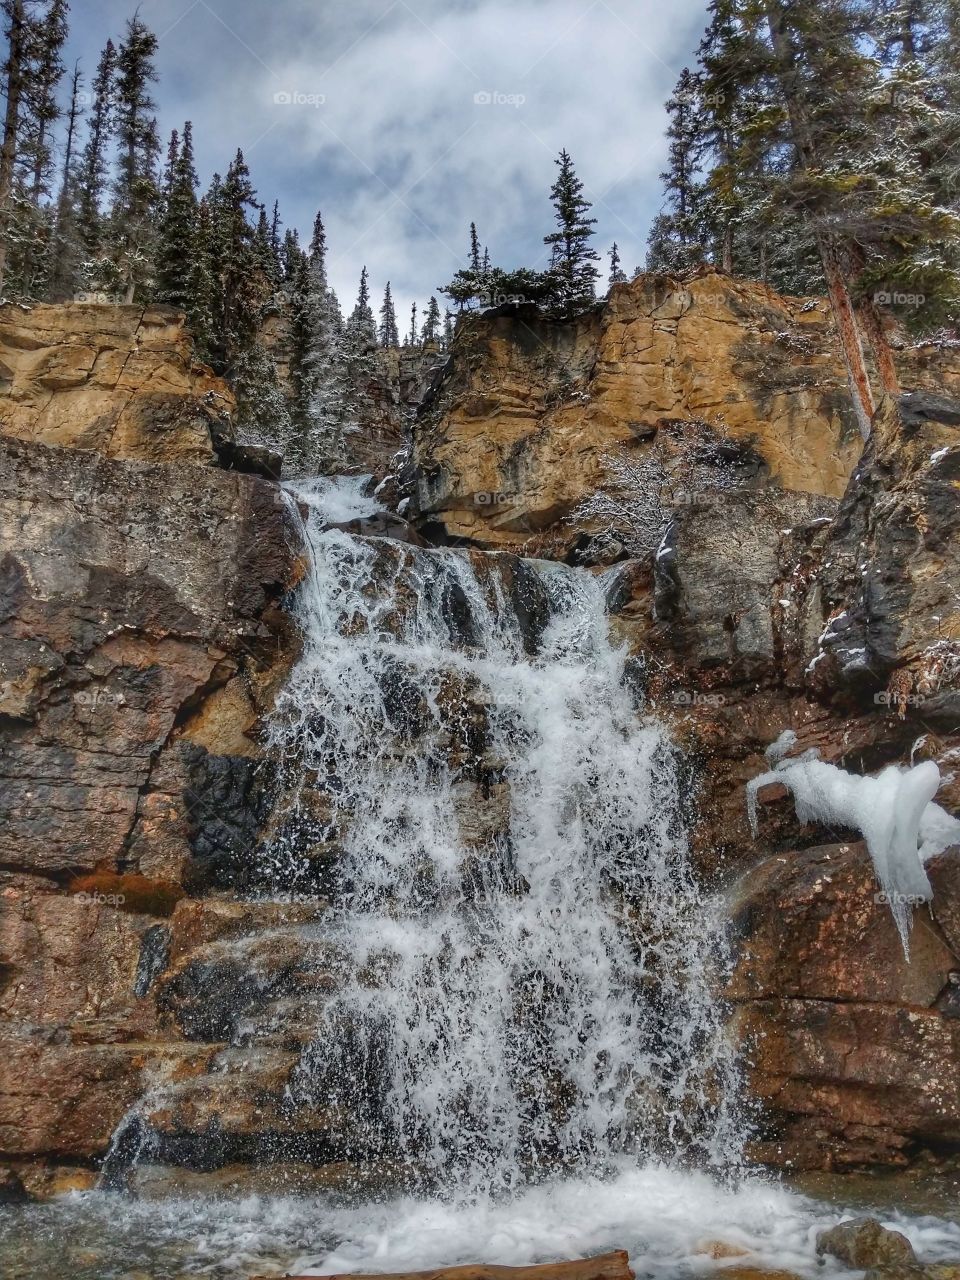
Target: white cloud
[{"x": 399, "y": 155}]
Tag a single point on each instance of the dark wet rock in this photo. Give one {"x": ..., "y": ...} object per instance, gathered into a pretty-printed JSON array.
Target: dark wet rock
[
  {"x": 888, "y": 585},
  {"x": 385, "y": 525},
  {"x": 530, "y": 601},
  {"x": 253, "y": 459},
  {"x": 225, "y": 812},
  {"x": 864, "y": 1242},
  {"x": 154, "y": 958},
  {"x": 12, "y": 1190}
]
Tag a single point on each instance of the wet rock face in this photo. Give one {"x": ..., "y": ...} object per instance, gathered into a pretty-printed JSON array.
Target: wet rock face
[
  {"x": 140, "y": 639},
  {"x": 889, "y": 585},
  {"x": 769, "y": 611},
  {"x": 131, "y": 593}
]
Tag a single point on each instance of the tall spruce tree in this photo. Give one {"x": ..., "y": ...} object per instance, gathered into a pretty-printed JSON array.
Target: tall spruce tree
[
  {"x": 388, "y": 333},
  {"x": 177, "y": 241},
  {"x": 94, "y": 164},
  {"x": 65, "y": 265},
  {"x": 430, "y": 333},
  {"x": 31, "y": 70},
  {"x": 48, "y": 36},
  {"x": 136, "y": 189},
  {"x": 315, "y": 355},
  {"x": 675, "y": 242},
  {"x": 358, "y": 367},
  {"x": 617, "y": 274},
  {"x": 572, "y": 270}
]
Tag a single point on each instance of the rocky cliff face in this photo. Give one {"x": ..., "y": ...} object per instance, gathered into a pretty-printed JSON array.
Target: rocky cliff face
[
  {"x": 532, "y": 418},
  {"x": 121, "y": 380},
  {"x": 139, "y": 637},
  {"x": 689, "y": 441}
]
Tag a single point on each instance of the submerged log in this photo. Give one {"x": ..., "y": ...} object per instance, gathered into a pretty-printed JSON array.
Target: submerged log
[{"x": 607, "y": 1266}]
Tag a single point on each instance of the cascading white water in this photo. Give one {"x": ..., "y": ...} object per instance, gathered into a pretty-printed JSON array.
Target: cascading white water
[{"x": 527, "y": 963}]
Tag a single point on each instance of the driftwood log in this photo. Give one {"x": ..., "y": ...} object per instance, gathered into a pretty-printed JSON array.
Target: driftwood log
[{"x": 607, "y": 1266}]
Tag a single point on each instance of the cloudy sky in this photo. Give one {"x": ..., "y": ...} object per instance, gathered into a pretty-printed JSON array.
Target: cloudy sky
[{"x": 404, "y": 119}]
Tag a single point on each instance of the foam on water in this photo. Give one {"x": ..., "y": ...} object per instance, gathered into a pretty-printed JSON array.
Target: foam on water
[{"x": 663, "y": 1217}]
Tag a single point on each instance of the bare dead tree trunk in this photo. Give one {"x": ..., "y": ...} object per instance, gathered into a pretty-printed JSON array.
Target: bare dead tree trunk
[
  {"x": 845, "y": 318},
  {"x": 11, "y": 121},
  {"x": 872, "y": 323}
]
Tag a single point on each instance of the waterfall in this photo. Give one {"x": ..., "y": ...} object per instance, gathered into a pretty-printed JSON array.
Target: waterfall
[{"x": 525, "y": 963}]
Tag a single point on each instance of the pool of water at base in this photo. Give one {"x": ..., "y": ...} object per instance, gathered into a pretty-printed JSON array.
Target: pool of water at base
[{"x": 668, "y": 1221}]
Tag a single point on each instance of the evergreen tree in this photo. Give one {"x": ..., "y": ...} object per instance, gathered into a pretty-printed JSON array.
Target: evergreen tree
[
  {"x": 267, "y": 260},
  {"x": 65, "y": 267},
  {"x": 25, "y": 231},
  {"x": 448, "y": 330},
  {"x": 93, "y": 168},
  {"x": 572, "y": 270},
  {"x": 47, "y": 34},
  {"x": 177, "y": 241},
  {"x": 617, "y": 273},
  {"x": 240, "y": 290},
  {"x": 291, "y": 255},
  {"x": 262, "y": 410},
  {"x": 276, "y": 242},
  {"x": 675, "y": 243},
  {"x": 314, "y": 365},
  {"x": 430, "y": 333},
  {"x": 202, "y": 315},
  {"x": 412, "y": 336},
  {"x": 173, "y": 151},
  {"x": 388, "y": 333},
  {"x": 136, "y": 193}
]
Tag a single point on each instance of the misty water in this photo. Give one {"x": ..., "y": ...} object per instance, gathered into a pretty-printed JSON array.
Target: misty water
[{"x": 525, "y": 1013}]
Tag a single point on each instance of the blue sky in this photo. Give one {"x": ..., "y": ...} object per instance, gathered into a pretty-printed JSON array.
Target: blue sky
[{"x": 404, "y": 119}]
